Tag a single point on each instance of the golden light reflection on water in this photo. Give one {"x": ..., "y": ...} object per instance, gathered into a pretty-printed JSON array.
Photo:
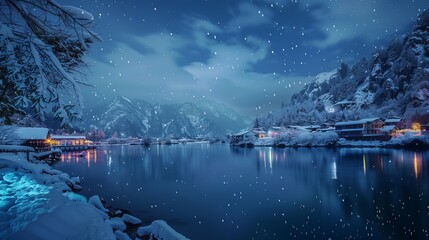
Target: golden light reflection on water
[
  {"x": 364, "y": 164},
  {"x": 417, "y": 162},
  {"x": 90, "y": 156}
]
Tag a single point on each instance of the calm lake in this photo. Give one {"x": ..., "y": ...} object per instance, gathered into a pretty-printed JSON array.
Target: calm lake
[{"x": 217, "y": 192}]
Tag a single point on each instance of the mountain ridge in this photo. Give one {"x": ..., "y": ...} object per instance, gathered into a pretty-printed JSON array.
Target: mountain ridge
[
  {"x": 136, "y": 117},
  {"x": 393, "y": 81}
]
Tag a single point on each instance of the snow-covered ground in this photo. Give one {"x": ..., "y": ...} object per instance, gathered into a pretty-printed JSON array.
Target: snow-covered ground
[
  {"x": 38, "y": 202},
  {"x": 295, "y": 138}
]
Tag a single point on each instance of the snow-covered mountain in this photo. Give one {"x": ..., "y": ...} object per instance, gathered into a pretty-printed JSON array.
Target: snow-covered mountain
[
  {"x": 140, "y": 118},
  {"x": 394, "y": 81}
]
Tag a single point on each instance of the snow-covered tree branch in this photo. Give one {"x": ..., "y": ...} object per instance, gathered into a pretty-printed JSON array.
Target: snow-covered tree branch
[{"x": 41, "y": 48}]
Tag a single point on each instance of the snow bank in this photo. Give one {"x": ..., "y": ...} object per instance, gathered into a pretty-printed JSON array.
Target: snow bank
[
  {"x": 121, "y": 235},
  {"x": 307, "y": 139},
  {"x": 96, "y": 202},
  {"x": 117, "y": 223},
  {"x": 36, "y": 202},
  {"x": 160, "y": 230},
  {"x": 15, "y": 148},
  {"x": 67, "y": 221}
]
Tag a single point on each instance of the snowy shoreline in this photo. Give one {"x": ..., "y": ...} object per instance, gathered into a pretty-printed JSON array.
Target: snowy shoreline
[
  {"x": 39, "y": 202},
  {"x": 419, "y": 142}
]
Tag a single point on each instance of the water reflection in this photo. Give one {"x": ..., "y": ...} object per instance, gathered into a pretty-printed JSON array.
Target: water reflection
[{"x": 264, "y": 193}]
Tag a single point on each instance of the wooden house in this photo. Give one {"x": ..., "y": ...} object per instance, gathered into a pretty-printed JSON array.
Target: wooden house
[
  {"x": 364, "y": 129},
  {"x": 35, "y": 137},
  {"x": 244, "y": 137},
  {"x": 275, "y": 131},
  {"x": 399, "y": 123},
  {"x": 71, "y": 142}
]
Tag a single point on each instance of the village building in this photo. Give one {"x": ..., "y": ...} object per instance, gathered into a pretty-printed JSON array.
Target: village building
[
  {"x": 247, "y": 137},
  {"x": 35, "y": 137},
  {"x": 399, "y": 123},
  {"x": 259, "y": 132},
  {"x": 70, "y": 142},
  {"x": 364, "y": 129},
  {"x": 274, "y": 132}
]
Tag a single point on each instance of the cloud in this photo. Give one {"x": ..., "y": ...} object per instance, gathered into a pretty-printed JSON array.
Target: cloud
[
  {"x": 337, "y": 21},
  {"x": 149, "y": 68},
  {"x": 249, "y": 15}
]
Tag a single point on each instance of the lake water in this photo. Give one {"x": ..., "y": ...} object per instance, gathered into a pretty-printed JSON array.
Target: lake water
[{"x": 218, "y": 192}]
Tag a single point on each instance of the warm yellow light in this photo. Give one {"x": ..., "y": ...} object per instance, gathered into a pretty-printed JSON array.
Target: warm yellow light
[{"x": 416, "y": 126}]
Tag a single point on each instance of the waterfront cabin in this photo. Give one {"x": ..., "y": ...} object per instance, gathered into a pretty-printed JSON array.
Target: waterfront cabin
[
  {"x": 274, "y": 132},
  {"x": 365, "y": 129},
  {"x": 70, "y": 142},
  {"x": 35, "y": 137},
  {"x": 259, "y": 132},
  {"x": 244, "y": 137}
]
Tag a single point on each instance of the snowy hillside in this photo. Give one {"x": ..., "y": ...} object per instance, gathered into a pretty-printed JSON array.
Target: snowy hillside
[
  {"x": 140, "y": 118},
  {"x": 394, "y": 81}
]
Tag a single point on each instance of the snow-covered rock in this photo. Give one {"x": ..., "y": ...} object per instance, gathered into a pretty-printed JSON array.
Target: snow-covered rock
[
  {"x": 96, "y": 202},
  {"x": 117, "y": 223},
  {"x": 121, "y": 235},
  {"x": 34, "y": 206},
  {"x": 160, "y": 230},
  {"x": 131, "y": 219},
  {"x": 76, "y": 221}
]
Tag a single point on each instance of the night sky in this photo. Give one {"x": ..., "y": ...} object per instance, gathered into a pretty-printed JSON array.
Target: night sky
[{"x": 250, "y": 55}]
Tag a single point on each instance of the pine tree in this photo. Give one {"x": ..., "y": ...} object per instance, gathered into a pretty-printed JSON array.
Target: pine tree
[
  {"x": 41, "y": 48},
  {"x": 256, "y": 124}
]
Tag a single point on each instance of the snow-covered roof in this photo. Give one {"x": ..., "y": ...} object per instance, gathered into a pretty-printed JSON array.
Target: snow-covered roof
[
  {"x": 350, "y": 130},
  {"x": 277, "y": 128},
  {"x": 30, "y": 133},
  {"x": 259, "y": 131},
  {"x": 344, "y": 102},
  {"x": 311, "y": 126},
  {"x": 393, "y": 120},
  {"x": 59, "y": 137},
  {"x": 361, "y": 121},
  {"x": 298, "y": 128},
  {"x": 326, "y": 129},
  {"x": 242, "y": 132},
  {"x": 388, "y": 128}
]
